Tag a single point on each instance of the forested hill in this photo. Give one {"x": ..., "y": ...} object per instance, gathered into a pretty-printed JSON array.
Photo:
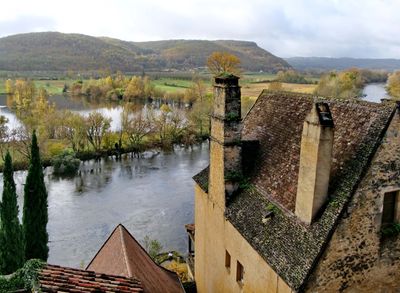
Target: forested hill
[
  {"x": 59, "y": 52},
  {"x": 324, "y": 64}
]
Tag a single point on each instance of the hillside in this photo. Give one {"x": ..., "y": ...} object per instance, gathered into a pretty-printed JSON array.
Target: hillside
[
  {"x": 59, "y": 52},
  {"x": 323, "y": 63}
]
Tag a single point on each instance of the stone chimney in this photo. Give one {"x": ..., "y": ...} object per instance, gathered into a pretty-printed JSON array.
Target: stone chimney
[
  {"x": 225, "y": 144},
  {"x": 315, "y": 162}
]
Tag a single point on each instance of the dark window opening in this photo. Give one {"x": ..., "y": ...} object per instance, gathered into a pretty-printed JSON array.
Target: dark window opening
[
  {"x": 227, "y": 260},
  {"x": 239, "y": 272},
  {"x": 389, "y": 208}
]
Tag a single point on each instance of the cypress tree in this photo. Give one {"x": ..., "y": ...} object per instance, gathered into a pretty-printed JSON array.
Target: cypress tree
[
  {"x": 35, "y": 216},
  {"x": 11, "y": 243}
]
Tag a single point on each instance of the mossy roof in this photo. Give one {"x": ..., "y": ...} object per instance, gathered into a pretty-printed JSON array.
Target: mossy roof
[{"x": 276, "y": 120}]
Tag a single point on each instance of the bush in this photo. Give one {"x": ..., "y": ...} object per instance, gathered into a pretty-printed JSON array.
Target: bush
[
  {"x": 24, "y": 278},
  {"x": 66, "y": 164},
  {"x": 55, "y": 149},
  {"x": 291, "y": 76}
]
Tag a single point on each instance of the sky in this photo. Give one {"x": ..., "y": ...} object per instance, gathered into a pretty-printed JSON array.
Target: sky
[{"x": 286, "y": 28}]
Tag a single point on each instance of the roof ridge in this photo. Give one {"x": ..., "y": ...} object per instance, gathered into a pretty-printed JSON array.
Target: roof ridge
[
  {"x": 124, "y": 249},
  {"x": 102, "y": 246}
]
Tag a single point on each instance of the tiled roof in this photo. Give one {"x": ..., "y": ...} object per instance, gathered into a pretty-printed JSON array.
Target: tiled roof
[
  {"x": 122, "y": 255},
  {"x": 276, "y": 120},
  {"x": 202, "y": 178},
  {"x": 60, "y": 279}
]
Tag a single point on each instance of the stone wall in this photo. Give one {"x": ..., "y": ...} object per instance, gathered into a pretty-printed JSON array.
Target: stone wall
[
  {"x": 214, "y": 236},
  {"x": 358, "y": 258}
]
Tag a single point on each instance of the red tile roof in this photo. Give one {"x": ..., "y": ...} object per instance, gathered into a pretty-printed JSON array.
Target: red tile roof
[
  {"x": 61, "y": 279},
  {"x": 122, "y": 255}
]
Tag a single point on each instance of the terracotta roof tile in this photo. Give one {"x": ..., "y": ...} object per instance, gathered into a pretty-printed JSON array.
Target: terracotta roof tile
[{"x": 61, "y": 279}]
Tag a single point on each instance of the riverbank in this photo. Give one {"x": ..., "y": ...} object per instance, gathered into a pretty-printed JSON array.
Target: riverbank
[{"x": 22, "y": 165}]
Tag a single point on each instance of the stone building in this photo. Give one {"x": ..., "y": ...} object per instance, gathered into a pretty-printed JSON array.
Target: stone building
[{"x": 302, "y": 194}]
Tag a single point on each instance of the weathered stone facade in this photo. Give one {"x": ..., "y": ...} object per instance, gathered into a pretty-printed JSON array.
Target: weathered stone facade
[
  {"x": 358, "y": 258},
  {"x": 339, "y": 246}
]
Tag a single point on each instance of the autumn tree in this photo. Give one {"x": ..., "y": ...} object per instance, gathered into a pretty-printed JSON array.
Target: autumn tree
[
  {"x": 196, "y": 92},
  {"x": 35, "y": 214},
  {"x": 23, "y": 96},
  {"x": 135, "y": 88},
  {"x": 74, "y": 130},
  {"x": 136, "y": 125},
  {"x": 223, "y": 62},
  {"x": 199, "y": 116},
  {"x": 344, "y": 84},
  {"x": 97, "y": 126},
  {"x": 393, "y": 85},
  {"x": 291, "y": 76},
  {"x": 11, "y": 238},
  {"x": 9, "y": 86},
  {"x": 169, "y": 124}
]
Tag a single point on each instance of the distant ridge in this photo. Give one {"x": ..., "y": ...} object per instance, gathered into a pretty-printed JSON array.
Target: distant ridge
[
  {"x": 325, "y": 63},
  {"x": 60, "y": 52}
]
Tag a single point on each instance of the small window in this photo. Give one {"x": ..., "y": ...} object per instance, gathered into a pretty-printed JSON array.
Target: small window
[
  {"x": 227, "y": 260},
  {"x": 239, "y": 272},
  {"x": 389, "y": 208}
]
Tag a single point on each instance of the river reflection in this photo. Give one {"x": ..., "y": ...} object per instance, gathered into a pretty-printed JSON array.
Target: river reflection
[
  {"x": 82, "y": 105},
  {"x": 151, "y": 196}
]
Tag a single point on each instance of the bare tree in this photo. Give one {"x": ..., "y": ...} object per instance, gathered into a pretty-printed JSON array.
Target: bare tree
[
  {"x": 136, "y": 125},
  {"x": 96, "y": 127}
]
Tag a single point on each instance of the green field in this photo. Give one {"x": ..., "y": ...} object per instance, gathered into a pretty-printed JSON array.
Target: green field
[
  {"x": 53, "y": 87},
  {"x": 2, "y": 89},
  {"x": 252, "y": 84},
  {"x": 171, "y": 85}
]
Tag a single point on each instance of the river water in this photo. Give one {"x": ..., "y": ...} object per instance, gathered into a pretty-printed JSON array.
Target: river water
[
  {"x": 374, "y": 92},
  {"x": 153, "y": 196}
]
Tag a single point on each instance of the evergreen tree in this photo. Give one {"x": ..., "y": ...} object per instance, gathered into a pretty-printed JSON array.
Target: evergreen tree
[
  {"x": 11, "y": 243},
  {"x": 35, "y": 215}
]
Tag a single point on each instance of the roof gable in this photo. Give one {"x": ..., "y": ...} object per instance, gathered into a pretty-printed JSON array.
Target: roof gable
[{"x": 122, "y": 255}]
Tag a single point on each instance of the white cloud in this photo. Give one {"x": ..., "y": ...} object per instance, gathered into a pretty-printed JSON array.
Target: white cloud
[{"x": 368, "y": 28}]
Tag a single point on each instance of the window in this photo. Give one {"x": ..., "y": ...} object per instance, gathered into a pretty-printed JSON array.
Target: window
[
  {"x": 227, "y": 260},
  {"x": 239, "y": 272},
  {"x": 389, "y": 211}
]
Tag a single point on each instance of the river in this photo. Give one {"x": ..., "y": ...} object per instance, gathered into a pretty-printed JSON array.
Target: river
[
  {"x": 374, "y": 92},
  {"x": 151, "y": 196}
]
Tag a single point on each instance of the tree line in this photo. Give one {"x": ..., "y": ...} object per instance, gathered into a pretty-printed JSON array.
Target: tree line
[
  {"x": 140, "y": 127},
  {"x": 22, "y": 242}
]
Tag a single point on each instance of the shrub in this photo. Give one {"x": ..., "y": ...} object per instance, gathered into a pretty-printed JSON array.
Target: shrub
[
  {"x": 55, "y": 149},
  {"x": 24, "y": 278},
  {"x": 66, "y": 164}
]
